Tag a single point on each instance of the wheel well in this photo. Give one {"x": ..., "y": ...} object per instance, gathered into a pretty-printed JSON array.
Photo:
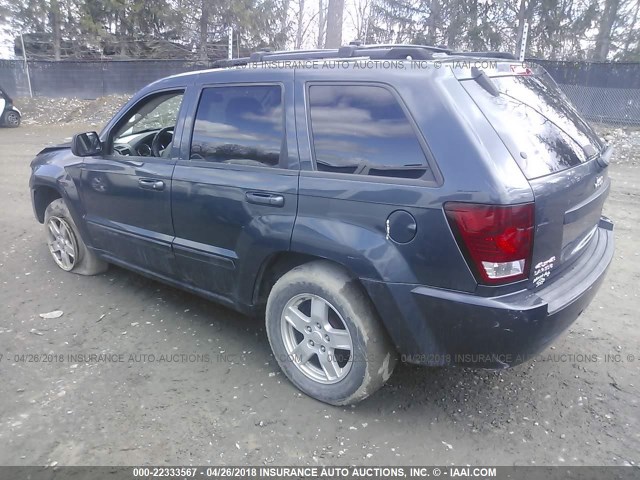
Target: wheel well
[
  {"x": 276, "y": 266},
  {"x": 42, "y": 197}
]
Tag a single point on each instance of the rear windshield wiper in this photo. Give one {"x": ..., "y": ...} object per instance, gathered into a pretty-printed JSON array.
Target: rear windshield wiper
[{"x": 484, "y": 81}]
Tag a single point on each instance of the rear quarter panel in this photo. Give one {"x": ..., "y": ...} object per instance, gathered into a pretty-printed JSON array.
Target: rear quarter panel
[{"x": 343, "y": 217}]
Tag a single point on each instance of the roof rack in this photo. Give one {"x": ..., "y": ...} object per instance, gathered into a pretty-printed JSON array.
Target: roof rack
[
  {"x": 505, "y": 55},
  {"x": 354, "y": 50},
  {"x": 399, "y": 46},
  {"x": 378, "y": 52},
  {"x": 231, "y": 62}
]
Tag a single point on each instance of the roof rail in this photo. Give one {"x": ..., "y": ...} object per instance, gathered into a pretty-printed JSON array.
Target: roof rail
[
  {"x": 430, "y": 48},
  {"x": 231, "y": 62},
  {"x": 264, "y": 56},
  {"x": 353, "y": 50},
  {"x": 388, "y": 52},
  {"x": 505, "y": 55}
]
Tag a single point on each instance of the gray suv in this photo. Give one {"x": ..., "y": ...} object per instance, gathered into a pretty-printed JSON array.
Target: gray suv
[{"x": 372, "y": 203}]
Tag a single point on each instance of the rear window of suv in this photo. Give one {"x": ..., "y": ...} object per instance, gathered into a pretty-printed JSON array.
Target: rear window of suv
[{"x": 538, "y": 125}]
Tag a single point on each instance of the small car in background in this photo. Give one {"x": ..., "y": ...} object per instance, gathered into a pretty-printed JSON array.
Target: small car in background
[{"x": 10, "y": 115}]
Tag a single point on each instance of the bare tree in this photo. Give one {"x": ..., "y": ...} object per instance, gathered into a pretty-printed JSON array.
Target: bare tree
[
  {"x": 55, "y": 20},
  {"x": 204, "y": 30},
  {"x": 359, "y": 15},
  {"x": 334, "y": 23},
  {"x": 300, "y": 27},
  {"x": 631, "y": 30},
  {"x": 434, "y": 21},
  {"x": 605, "y": 30},
  {"x": 322, "y": 23},
  {"x": 284, "y": 25},
  {"x": 522, "y": 18}
]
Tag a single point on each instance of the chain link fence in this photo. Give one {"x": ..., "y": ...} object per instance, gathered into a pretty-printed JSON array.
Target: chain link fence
[
  {"x": 608, "y": 106},
  {"x": 86, "y": 79},
  {"x": 605, "y": 93}
]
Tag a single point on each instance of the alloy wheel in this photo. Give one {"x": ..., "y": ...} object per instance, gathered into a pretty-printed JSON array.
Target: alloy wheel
[
  {"x": 62, "y": 243},
  {"x": 316, "y": 339}
]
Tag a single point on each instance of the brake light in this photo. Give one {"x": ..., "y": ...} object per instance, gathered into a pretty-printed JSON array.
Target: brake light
[
  {"x": 520, "y": 69},
  {"x": 496, "y": 239}
]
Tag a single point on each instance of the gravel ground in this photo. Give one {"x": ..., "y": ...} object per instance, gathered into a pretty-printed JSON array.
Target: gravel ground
[
  {"x": 56, "y": 111},
  {"x": 626, "y": 142},
  {"x": 226, "y": 402}
]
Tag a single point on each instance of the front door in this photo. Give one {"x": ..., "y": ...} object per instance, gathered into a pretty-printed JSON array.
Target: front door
[
  {"x": 127, "y": 191},
  {"x": 234, "y": 201}
]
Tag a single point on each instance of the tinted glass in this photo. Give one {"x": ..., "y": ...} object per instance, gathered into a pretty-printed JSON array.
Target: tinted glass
[
  {"x": 537, "y": 123},
  {"x": 363, "y": 130},
  {"x": 239, "y": 125}
]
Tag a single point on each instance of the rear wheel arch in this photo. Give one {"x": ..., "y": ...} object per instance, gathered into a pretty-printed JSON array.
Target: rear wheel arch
[{"x": 275, "y": 266}]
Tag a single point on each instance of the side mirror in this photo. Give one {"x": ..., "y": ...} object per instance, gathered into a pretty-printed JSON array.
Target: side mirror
[{"x": 86, "y": 144}]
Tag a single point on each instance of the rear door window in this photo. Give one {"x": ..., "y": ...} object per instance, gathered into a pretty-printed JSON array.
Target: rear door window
[
  {"x": 363, "y": 130},
  {"x": 535, "y": 120},
  {"x": 241, "y": 125}
]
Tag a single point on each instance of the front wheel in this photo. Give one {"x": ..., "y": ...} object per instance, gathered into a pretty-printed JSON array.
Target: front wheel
[
  {"x": 326, "y": 335},
  {"x": 65, "y": 244}
]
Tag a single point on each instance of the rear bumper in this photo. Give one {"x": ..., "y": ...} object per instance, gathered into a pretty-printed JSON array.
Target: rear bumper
[{"x": 439, "y": 327}]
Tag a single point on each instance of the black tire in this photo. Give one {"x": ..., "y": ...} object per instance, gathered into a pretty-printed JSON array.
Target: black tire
[
  {"x": 373, "y": 356},
  {"x": 85, "y": 262},
  {"x": 11, "y": 119}
]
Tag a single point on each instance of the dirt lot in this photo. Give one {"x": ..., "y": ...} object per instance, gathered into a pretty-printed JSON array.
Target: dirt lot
[{"x": 237, "y": 408}]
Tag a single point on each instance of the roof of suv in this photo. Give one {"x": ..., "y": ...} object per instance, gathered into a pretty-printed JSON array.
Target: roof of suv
[
  {"x": 424, "y": 57},
  {"x": 373, "y": 52}
]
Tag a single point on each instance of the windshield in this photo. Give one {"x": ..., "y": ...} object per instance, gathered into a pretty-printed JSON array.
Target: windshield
[{"x": 537, "y": 123}]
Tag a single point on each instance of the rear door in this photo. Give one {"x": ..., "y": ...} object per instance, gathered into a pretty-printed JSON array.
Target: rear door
[
  {"x": 234, "y": 200},
  {"x": 559, "y": 154}
]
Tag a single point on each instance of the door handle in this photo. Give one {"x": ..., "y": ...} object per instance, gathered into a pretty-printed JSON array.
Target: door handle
[
  {"x": 263, "y": 198},
  {"x": 151, "y": 184}
]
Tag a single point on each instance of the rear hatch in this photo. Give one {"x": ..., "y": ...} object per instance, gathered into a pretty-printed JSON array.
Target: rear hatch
[{"x": 559, "y": 153}]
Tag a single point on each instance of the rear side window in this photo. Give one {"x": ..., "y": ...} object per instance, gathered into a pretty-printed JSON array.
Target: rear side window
[
  {"x": 241, "y": 125},
  {"x": 363, "y": 130},
  {"x": 538, "y": 125}
]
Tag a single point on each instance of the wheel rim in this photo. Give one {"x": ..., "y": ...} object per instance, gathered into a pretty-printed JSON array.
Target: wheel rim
[
  {"x": 62, "y": 243},
  {"x": 316, "y": 339},
  {"x": 12, "y": 119}
]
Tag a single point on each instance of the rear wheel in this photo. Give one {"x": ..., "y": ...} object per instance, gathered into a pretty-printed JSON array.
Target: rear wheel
[
  {"x": 326, "y": 335},
  {"x": 66, "y": 246},
  {"x": 11, "y": 119}
]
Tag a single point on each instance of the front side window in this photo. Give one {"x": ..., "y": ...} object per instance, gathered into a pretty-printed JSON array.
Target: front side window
[
  {"x": 148, "y": 129},
  {"x": 363, "y": 130},
  {"x": 241, "y": 125}
]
